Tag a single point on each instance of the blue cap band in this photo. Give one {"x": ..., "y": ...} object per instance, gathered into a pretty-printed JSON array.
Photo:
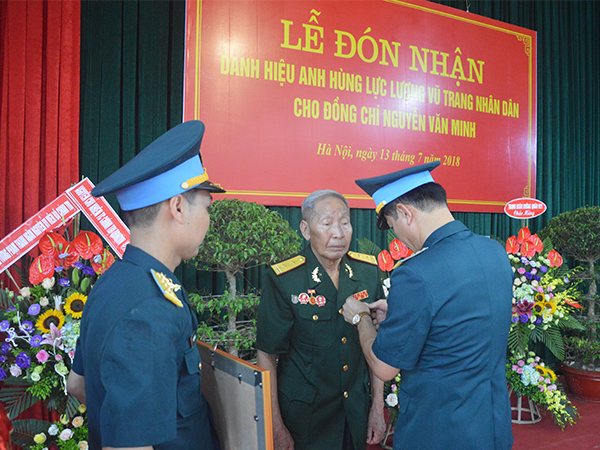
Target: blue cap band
[
  {"x": 397, "y": 188},
  {"x": 161, "y": 187}
]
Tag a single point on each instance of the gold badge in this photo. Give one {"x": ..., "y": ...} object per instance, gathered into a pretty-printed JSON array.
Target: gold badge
[{"x": 167, "y": 287}]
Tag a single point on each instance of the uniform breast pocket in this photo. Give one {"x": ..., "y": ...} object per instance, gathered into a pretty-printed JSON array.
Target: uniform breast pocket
[
  {"x": 189, "y": 398},
  {"x": 314, "y": 327}
]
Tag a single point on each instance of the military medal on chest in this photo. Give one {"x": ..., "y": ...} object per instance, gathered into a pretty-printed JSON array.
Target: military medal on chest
[{"x": 310, "y": 297}]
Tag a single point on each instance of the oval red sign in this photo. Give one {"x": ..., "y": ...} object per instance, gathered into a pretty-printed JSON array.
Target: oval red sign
[{"x": 524, "y": 208}]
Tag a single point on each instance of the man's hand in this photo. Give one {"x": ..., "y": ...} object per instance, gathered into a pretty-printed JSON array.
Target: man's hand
[
  {"x": 376, "y": 424},
  {"x": 378, "y": 311},
  {"x": 282, "y": 437},
  {"x": 352, "y": 307}
]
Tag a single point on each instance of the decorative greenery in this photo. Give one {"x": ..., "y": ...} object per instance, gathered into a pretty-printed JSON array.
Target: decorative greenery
[
  {"x": 543, "y": 296},
  {"x": 577, "y": 234},
  {"x": 528, "y": 376},
  {"x": 41, "y": 326},
  {"x": 241, "y": 235}
]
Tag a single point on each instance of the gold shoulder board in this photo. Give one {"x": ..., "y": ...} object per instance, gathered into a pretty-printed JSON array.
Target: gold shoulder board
[
  {"x": 363, "y": 257},
  {"x": 288, "y": 264},
  {"x": 402, "y": 261},
  {"x": 167, "y": 287}
]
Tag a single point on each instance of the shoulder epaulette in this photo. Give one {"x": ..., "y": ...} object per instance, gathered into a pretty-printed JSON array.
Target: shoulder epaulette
[
  {"x": 363, "y": 257},
  {"x": 167, "y": 287},
  {"x": 288, "y": 264},
  {"x": 402, "y": 261}
]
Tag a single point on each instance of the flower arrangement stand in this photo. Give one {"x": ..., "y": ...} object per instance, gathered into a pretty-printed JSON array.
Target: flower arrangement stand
[{"x": 525, "y": 408}]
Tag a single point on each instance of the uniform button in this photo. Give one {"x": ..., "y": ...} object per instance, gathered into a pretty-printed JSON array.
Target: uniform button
[
  {"x": 344, "y": 340},
  {"x": 341, "y": 311},
  {"x": 200, "y": 366},
  {"x": 315, "y": 317},
  {"x": 345, "y": 394},
  {"x": 345, "y": 367}
]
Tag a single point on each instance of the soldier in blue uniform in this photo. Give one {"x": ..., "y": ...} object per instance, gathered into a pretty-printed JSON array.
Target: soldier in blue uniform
[
  {"x": 447, "y": 323},
  {"x": 137, "y": 366},
  {"x": 320, "y": 380}
]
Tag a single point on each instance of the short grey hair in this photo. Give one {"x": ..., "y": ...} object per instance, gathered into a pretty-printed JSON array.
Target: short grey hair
[{"x": 308, "y": 205}]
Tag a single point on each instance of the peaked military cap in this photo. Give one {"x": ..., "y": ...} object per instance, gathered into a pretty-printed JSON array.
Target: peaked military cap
[
  {"x": 387, "y": 188},
  {"x": 167, "y": 167}
]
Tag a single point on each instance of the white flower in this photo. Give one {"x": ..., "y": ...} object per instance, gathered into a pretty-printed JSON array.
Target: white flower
[
  {"x": 53, "y": 430},
  {"x": 15, "y": 370},
  {"x": 83, "y": 445},
  {"x": 35, "y": 377},
  {"x": 534, "y": 283},
  {"x": 532, "y": 264},
  {"x": 391, "y": 400},
  {"x": 39, "y": 438},
  {"x": 66, "y": 434},
  {"x": 58, "y": 302},
  {"x": 77, "y": 421},
  {"x": 48, "y": 283},
  {"x": 25, "y": 292},
  {"x": 524, "y": 279},
  {"x": 44, "y": 301},
  {"x": 518, "y": 282}
]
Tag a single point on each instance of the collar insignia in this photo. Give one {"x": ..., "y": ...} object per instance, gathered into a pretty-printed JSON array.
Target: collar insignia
[
  {"x": 349, "y": 270},
  {"x": 167, "y": 287},
  {"x": 315, "y": 275}
]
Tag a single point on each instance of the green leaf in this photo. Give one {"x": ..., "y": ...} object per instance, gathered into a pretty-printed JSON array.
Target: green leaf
[
  {"x": 368, "y": 247},
  {"x": 24, "y": 431},
  {"x": 16, "y": 399}
]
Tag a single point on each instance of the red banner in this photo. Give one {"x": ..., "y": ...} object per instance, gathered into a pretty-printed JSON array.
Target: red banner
[
  {"x": 56, "y": 214},
  {"x": 299, "y": 96}
]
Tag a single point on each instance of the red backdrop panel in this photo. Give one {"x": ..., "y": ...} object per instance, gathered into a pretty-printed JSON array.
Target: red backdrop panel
[{"x": 298, "y": 96}]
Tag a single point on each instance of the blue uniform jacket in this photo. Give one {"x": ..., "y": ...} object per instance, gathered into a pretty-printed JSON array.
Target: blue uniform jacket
[
  {"x": 449, "y": 312},
  {"x": 138, "y": 354}
]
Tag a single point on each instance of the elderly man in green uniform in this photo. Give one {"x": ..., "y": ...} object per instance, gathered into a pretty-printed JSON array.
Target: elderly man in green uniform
[
  {"x": 447, "y": 322},
  {"x": 136, "y": 365},
  {"x": 320, "y": 380}
]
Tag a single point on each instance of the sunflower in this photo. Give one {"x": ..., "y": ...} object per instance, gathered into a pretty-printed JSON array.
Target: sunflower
[
  {"x": 551, "y": 306},
  {"x": 74, "y": 304},
  {"x": 539, "y": 297},
  {"x": 539, "y": 307},
  {"x": 52, "y": 316}
]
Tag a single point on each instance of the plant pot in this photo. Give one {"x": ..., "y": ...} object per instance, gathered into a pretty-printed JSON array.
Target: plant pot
[{"x": 584, "y": 385}]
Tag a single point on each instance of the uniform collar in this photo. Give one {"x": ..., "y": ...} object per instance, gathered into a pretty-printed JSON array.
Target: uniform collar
[{"x": 456, "y": 226}]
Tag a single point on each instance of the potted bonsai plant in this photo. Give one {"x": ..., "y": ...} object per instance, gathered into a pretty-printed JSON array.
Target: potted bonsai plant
[
  {"x": 577, "y": 234},
  {"x": 241, "y": 235}
]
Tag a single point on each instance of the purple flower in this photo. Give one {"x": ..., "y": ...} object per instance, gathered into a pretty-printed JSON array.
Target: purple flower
[
  {"x": 524, "y": 318},
  {"x": 64, "y": 282},
  {"x": 536, "y": 278},
  {"x": 528, "y": 275},
  {"x": 539, "y": 320},
  {"x": 88, "y": 270},
  {"x": 4, "y": 325},
  {"x": 566, "y": 280},
  {"x": 59, "y": 269},
  {"x": 63, "y": 255},
  {"x": 515, "y": 319},
  {"x": 544, "y": 269},
  {"x": 524, "y": 260},
  {"x": 35, "y": 341},
  {"x": 78, "y": 265},
  {"x": 23, "y": 360},
  {"x": 3, "y": 374},
  {"x": 5, "y": 348},
  {"x": 12, "y": 309},
  {"x": 26, "y": 326},
  {"x": 34, "y": 309},
  {"x": 2, "y": 358}
]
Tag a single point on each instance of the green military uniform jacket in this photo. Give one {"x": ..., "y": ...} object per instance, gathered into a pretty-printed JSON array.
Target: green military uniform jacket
[{"x": 323, "y": 379}]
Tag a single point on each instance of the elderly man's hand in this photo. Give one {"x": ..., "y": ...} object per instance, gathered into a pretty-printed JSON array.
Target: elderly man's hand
[
  {"x": 353, "y": 307},
  {"x": 378, "y": 311}
]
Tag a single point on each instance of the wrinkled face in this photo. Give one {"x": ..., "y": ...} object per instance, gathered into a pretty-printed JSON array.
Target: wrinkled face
[
  {"x": 330, "y": 231},
  {"x": 198, "y": 221}
]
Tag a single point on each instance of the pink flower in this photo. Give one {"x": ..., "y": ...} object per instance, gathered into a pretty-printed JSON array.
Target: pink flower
[
  {"x": 540, "y": 289},
  {"x": 66, "y": 434},
  {"x": 42, "y": 356},
  {"x": 514, "y": 367},
  {"x": 394, "y": 387},
  {"x": 72, "y": 354},
  {"x": 519, "y": 370},
  {"x": 537, "y": 358},
  {"x": 552, "y": 387},
  {"x": 541, "y": 388},
  {"x": 521, "y": 363},
  {"x": 548, "y": 381},
  {"x": 58, "y": 357},
  {"x": 521, "y": 270}
]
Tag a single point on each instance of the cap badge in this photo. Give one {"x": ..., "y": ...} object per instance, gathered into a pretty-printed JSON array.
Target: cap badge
[{"x": 167, "y": 287}]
